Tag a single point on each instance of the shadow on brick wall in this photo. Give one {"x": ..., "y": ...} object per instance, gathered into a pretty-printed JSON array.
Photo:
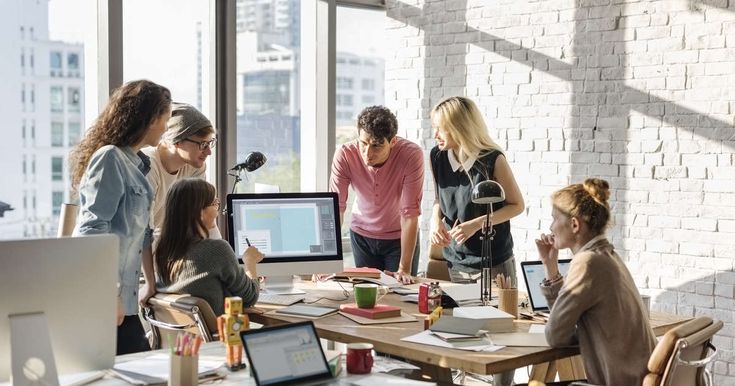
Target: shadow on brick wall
[{"x": 609, "y": 112}]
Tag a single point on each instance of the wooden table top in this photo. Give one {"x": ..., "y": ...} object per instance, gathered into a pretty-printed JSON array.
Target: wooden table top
[{"x": 386, "y": 338}]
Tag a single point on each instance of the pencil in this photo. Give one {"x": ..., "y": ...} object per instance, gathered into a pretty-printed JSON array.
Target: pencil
[{"x": 248, "y": 241}]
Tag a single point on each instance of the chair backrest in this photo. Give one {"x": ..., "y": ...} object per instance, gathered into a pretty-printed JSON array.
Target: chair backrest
[
  {"x": 170, "y": 313},
  {"x": 67, "y": 219},
  {"x": 437, "y": 267},
  {"x": 681, "y": 356}
]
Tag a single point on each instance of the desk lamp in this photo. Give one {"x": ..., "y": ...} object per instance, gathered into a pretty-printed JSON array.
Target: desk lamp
[
  {"x": 487, "y": 192},
  {"x": 253, "y": 161}
]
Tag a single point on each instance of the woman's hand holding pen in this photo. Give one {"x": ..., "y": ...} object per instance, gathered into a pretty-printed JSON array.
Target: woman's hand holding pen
[{"x": 251, "y": 257}]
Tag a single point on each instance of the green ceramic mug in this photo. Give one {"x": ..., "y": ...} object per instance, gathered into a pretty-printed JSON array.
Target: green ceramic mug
[{"x": 366, "y": 294}]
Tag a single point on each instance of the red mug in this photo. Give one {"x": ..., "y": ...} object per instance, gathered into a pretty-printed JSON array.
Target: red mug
[{"x": 359, "y": 358}]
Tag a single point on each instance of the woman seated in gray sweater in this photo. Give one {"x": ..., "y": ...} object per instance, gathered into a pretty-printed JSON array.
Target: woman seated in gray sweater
[
  {"x": 597, "y": 304},
  {"x": 187, "y": 261}
]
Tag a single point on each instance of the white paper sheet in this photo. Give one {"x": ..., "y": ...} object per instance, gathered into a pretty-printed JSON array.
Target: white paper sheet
[{"x": 426, "y": 337}]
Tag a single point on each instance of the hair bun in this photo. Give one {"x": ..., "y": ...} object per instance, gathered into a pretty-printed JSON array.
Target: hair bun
[{"x": 598, "y": 188}]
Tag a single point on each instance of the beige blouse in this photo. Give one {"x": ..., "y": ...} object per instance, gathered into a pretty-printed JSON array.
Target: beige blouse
[{"x": 599, "y": 307}]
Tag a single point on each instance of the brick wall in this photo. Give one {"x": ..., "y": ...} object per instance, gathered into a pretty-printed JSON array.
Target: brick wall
[{"x": 639, "y": 93}]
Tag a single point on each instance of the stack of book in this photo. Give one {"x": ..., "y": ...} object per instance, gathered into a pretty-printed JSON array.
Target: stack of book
[
  {"x": 363, "y": 272},
  {"x": 488, "y": 318},
  {"x": 380, "y": 311}
]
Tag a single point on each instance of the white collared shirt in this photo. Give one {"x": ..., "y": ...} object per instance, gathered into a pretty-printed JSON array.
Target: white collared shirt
[{"x": 455, "y": 164}]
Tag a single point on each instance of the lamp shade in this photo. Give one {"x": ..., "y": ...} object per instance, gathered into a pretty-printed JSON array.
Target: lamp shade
[{"x": 488, "y": 192}]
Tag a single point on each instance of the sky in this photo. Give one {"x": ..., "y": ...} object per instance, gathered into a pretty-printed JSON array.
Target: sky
[{"x": 160, "y": 36}]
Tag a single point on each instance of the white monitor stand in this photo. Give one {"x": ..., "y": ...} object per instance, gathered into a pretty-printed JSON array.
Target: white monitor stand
[{"x": 281, "y": 285}]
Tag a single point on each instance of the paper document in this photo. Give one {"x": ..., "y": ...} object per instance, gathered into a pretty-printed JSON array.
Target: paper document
[
  {"x": 426, "y": 337},
  {"x": 156, "y": 367},
  {"x": 481, "y": 312},
  {"x": 537, "y": 329},
  {"x": 520, "y": 339}
]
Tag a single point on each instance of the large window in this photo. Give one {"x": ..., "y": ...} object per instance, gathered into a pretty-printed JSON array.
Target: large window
[
  {"x": 268, "y": 92},
  {"x": 359, "y": 59},
  {"x": 167, "y": 42},
  {"x": 50, "y": 35}
]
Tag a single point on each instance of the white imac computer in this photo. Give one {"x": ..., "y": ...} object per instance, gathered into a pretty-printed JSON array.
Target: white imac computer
[
  {"x": 58, "y": 309},
  {"x": 299, "y": 233}
]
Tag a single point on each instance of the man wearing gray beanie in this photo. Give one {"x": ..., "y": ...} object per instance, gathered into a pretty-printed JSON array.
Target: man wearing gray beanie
[{"x": 182, "y": 153}]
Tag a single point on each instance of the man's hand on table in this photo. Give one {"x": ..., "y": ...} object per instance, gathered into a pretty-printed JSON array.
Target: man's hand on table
[{"x": 403, "y": 277}]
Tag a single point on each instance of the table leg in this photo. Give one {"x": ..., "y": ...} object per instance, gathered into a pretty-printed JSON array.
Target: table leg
[
  {"x": 570, "y": 368},
  {"x": 544, "y": 372}
]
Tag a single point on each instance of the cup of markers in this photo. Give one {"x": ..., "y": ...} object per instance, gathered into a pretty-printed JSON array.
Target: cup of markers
[{"x": 184, "y": 370}]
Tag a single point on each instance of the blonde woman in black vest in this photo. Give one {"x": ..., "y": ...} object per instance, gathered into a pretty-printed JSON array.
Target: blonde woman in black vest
[{"x": 465, "y": 155}]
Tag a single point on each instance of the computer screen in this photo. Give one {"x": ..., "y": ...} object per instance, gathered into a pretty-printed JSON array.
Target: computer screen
[
  {"x": 534, "y": 274},
  {"x": 285, "y": 354},
  {"x": 72, "y": 282},
  {"x": 299, "y": 233}
]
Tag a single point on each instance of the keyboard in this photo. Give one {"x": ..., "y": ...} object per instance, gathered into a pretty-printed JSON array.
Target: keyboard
[{"x": 281, "y": 300}]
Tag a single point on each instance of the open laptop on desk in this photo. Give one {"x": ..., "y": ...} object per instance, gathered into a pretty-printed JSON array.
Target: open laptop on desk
[
  {"x": 287, "y": 354},
  {"x": 533, "y": 275}
]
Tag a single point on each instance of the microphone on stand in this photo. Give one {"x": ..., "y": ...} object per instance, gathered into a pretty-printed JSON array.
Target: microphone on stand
[{"x": 253, "y": 161}]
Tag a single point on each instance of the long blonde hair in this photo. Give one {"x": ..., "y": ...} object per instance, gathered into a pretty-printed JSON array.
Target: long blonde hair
[{"x": 462, "y": 120}]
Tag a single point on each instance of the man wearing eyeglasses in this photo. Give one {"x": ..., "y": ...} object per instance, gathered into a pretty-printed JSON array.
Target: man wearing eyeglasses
[{"x": 182, "y": 153}]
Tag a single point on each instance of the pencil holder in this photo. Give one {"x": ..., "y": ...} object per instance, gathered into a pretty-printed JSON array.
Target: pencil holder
[
  {"x": 184, "y": 370},
  {"x": 508, "y": 301}
]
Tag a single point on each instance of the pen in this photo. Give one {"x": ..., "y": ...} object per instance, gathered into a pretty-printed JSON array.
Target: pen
[{"x": 248, "y": 241}]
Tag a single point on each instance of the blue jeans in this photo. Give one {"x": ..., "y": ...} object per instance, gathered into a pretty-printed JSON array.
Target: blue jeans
[{"x": 380, "y": 254}]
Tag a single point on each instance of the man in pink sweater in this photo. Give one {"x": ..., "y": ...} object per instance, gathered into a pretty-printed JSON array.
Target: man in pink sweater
[{"x": 387, "y": 174}]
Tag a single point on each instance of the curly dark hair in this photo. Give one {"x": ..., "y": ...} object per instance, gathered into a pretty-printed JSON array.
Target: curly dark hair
[
  {"x": 378, "y": 122},
  {"x": 132, "y": 108}
]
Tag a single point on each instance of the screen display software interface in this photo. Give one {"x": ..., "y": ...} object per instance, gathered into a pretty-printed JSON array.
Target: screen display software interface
[
  {"x": 287, "y": 354},
  {"x": 534, "y": 274},
  {"x": 285, "y": 227}
]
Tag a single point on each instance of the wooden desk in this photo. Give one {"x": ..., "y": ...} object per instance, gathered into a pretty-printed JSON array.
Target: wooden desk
[{"x": 437, "y": 360}]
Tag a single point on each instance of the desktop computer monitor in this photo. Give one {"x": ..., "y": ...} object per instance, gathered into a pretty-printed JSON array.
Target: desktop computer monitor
[
  {"x": 59, "y": 297},
  {"x": 299, "y": 233}
]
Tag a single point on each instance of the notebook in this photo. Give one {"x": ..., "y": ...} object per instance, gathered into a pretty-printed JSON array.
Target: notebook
[
  {"x": 533, "y": 274},
  {"x": 287, "y": 354}
]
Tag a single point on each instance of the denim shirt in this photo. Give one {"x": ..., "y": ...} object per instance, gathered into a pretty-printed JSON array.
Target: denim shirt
[{"x": 115, "y": 197}]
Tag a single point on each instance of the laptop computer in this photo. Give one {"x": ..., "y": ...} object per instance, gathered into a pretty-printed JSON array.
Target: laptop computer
[
  {"x": 287, "y": 354},
  {"x": 533, "y": 275}
]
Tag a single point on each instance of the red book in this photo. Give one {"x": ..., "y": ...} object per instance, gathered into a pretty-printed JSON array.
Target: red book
[{"x": 380, "y": 311}]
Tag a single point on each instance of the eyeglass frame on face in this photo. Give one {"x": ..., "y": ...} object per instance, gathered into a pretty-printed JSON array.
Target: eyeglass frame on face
[{"x": 203, "y": 145}]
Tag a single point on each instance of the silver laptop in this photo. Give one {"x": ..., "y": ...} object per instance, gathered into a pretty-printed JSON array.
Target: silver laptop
[
  {"x": 533, "y": 274},
  {"x": 287, "y": 354}
]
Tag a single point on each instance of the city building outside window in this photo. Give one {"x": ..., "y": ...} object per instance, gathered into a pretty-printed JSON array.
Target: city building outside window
[
  {"x": 75, "y": 131},
  {"x": 74, "y": 99},
  {"x": 57, "y": 168},
  {"x": 57, "y": 134},
  {"x": 57, "y": 198},
  {"x": 344, "y": 83},
  {"x": 57, "y": 99},
  {"x": 55, "y": 63}
]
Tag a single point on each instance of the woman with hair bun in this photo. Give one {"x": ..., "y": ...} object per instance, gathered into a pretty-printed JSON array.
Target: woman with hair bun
[{"x": 597, "y": 304}]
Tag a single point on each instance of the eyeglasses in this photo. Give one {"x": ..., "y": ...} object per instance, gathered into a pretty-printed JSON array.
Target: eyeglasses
[{"x": 203, "y": 145}]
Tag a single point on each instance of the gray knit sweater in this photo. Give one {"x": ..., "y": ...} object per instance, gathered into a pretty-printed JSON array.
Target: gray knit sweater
[{"x": 211, "y": 272}]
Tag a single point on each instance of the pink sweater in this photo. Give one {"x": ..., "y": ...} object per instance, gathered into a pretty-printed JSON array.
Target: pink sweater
[{"x": 384, "y": 194}]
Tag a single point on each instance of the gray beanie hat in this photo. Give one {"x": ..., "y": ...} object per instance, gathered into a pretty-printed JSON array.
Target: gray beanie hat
[{"x": 185, "y": 121}]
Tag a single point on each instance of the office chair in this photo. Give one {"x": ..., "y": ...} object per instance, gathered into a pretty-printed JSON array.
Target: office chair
[
  {"x": 67, "y": 219},
  {"x": 437, "y": 267},
  {"x": 681, "y": 356},
  {"x": 170, "y": 313}
]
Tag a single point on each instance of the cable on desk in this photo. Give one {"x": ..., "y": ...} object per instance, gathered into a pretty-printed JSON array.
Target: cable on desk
[{"x": 345, "y": 293}]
